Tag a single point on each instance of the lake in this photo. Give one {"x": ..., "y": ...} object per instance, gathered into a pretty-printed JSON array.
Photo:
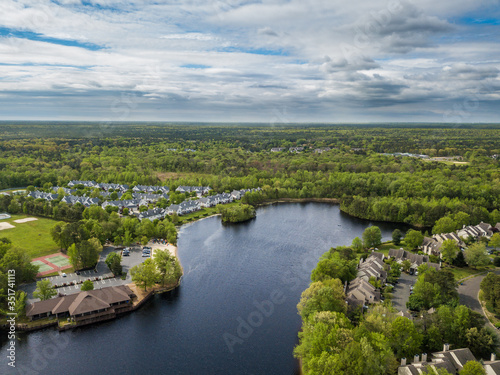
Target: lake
[{"x": 235, "y": 312}]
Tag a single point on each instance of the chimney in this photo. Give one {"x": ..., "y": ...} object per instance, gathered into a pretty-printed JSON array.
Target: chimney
[
  {"x": 416, "y": 358},
  {"x": 493, "y": 357},
  {"x": 446, "y": 347},
  {"x": 424, "y": 357},
  {"x": 403, "y": 361}
]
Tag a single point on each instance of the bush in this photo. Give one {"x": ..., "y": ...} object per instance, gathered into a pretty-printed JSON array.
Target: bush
[
  {"x": 496, "y": 261},
  {"x": 124, "y": 276}
]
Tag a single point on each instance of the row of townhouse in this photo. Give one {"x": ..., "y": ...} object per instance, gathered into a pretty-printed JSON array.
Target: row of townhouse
[
  {"x": 151, "y": 189},
  {"x": 121, "y": 187},
  {"x": 416, "y": 260},
  {"x": 360, "y": 292},
  {"x": 67, "y": 191},
  {"x": 131, "y": 204},
  {"x": 199, "y": 190},
  {"x": 41, "y": 195},
  {"x": 99, "y": 185},
  {"x": 86, "y": 201},
  {"x": 452, "y": 361},
  {"x": 432, "y": 245}
]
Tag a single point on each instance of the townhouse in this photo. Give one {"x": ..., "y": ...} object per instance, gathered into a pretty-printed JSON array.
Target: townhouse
[{"x": 452, "y": 361}]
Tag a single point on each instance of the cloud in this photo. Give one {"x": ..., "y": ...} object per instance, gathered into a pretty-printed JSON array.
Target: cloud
[{"x": 241, "y": 60}]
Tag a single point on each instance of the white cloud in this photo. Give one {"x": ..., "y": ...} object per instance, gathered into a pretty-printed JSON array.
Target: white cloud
[{"x": 322, "y": 59}]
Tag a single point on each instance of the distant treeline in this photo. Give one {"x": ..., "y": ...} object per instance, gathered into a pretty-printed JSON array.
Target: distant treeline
[{"x": 369, "y": 185}]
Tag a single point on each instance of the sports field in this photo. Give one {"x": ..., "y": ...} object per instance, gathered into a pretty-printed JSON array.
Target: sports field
[
  {"x": 51, "y": 263},
  {"x": 31, "y": 236}
]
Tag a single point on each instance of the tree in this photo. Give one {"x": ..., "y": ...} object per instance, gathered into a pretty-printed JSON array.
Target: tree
[
  {"x": 414, "y": 238},
  {"x": 357, "y": 244},
  {"x": 444, "y": 225},
  {"x": 20, "y": 306},
  {"x": 406, "y": 265},
  {"x": 459, "y": 260},
  {"x": 476, "y": 255},
  {"x": 113, "y": 261},
  {"x": 396, "y": 237},
  {"x": 372, "y": 236},
  {"x": 168, "y": 267},
  {"x": 461, "y": 219},
  {"x": 495, "y": 241},
  {"x": 449, "y": 250},
  {"x": 84, "y": 254},
  {"x": 44, "y": 290},
  {"x": 87, "y": 285},
  {"x": 405, "y": 340},
  {"x": 144, "y": 274},
  {"x": 472, "y": 368},
  {"x": 333, "y": 266},
  {"x": 325, "y": 295}
]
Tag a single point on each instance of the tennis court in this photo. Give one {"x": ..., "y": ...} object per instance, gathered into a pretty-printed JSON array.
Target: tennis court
[
  {"x": 43, "y": 267},
  {"x": 51, "y": 263},
  {"x": 58, "y": 260}
]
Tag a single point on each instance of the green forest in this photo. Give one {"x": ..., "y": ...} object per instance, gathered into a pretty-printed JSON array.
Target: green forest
[
  {"x": 342, "y": 162},
  {"x": 448, "y": 171}
]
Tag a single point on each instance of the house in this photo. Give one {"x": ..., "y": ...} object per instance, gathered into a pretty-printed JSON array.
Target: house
[
  {"x": 476, "y": 231},
  {"x": 373, "y": 266},
  {"x": 277, "y": 149},
  {"x": 68, "y": 191},
  {"x": 85, "y": 201},
  {"x": 416, "y": 260},
  {"x": 173, "y": 208},
  {"x": 41, "y": 195},
  {"x": 321, "y": 150},
  {"x": 296, "y": 149},
  {"x": 153, "y": 214},
  {"x": 151, "y": 189},
  {"x": 84, "y": 183},
  {"x": 362, "y": 291},
  {"x": 209, "y": 201},
  {"x": 236, "y": 194},
  {"x": 451, "y": 360},
  {"x": 84, "y": 306}
]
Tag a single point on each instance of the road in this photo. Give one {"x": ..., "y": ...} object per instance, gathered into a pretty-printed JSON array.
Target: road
[{"x": 468, "y": 292}]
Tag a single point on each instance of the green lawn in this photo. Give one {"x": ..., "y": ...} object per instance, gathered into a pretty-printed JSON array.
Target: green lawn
[
  {"x": 462, "y": 273},
  {"x": 32, "y": 237},
  {"x": 201, "y": 214}
]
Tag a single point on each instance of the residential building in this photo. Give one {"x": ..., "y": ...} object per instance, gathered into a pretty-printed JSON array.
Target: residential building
[
  {"x": 451, "y": 360},
  {"x": 416, "y": 260}
]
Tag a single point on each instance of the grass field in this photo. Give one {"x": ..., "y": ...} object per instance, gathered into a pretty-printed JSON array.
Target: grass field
[{"x": 32, "y": 237}]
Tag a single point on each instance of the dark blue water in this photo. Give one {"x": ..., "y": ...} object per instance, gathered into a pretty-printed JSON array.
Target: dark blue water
[{"x": 235, "y": 312}]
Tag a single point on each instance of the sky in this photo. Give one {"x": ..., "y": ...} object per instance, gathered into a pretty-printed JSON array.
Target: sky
[{"x": 270, "y": 61}]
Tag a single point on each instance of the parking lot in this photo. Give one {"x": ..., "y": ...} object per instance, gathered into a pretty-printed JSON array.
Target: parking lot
[
  {"x": 101, "y": 272},
  {"x": 401, "y": 292}
]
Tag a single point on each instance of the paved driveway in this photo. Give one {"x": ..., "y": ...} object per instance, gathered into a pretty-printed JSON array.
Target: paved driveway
[{"x": 401, "y": 292}]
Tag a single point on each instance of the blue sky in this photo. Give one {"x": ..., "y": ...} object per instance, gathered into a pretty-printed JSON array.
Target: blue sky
[{"x": 271, "y": 61}]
